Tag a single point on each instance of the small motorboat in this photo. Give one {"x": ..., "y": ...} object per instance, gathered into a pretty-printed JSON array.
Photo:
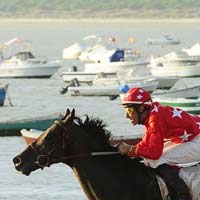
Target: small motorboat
[
  {"x": 165, "y": 40},
  {"x": 110, "y": 87},
  {"x": 18, "y": 61}
]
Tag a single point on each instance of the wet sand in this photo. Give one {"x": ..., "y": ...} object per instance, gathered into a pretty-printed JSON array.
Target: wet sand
[{"x": 99, "y": 20}]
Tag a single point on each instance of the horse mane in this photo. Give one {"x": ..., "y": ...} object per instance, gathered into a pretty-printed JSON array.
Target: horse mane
[{"x": 95, "y": 127}]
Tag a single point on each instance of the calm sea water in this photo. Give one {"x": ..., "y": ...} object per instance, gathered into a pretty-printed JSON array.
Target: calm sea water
[{"x": 36, "y": 97}]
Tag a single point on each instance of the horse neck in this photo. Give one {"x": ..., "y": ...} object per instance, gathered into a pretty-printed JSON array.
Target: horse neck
[{"x": 101, "y": 177}]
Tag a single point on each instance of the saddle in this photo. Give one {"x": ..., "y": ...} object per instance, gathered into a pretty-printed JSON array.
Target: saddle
[{"x": 190, "y": 173}]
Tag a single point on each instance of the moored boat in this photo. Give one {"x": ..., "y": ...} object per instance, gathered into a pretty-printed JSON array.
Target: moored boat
[
  {"x": 113, "y": 67},
  {"x": 13, "y": 127},
  {"x": 24, "y": 65},
  {"x": 175, "y": 64},
  {"x": 165, "y": 40},
  {"x": 190, "y": 105},
  {"x": 17, "y": 60},
  {"x": 84, "y": 77},
  {"x": 111, "y": 89}
]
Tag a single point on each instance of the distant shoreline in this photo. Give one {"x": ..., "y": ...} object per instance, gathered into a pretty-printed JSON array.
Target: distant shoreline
[{"x": 99, "y": 20}]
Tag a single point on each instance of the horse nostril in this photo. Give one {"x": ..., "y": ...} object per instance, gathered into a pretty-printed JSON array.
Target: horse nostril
[{"x": 17, "y": 161}]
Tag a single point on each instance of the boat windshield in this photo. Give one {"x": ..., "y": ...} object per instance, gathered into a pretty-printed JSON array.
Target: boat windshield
[{"x": 24, "y": 55}]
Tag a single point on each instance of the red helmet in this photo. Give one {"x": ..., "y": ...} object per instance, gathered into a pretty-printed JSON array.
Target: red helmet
[{"x": 137, "y": 96}]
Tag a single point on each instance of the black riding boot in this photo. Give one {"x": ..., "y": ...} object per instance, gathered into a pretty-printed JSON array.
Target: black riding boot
[{"x": 177, "y": 188}]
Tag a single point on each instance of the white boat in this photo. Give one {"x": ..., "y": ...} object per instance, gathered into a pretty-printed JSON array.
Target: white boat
[
  {"x": 74, "y": 50},
  {"x": 113, "y": 67},
  {"x": 107, "y": 69},
  {"x": 84, "y": 77},
  {"x": 109, "y": 88},
  {"x": 24, "y": 64},
  {"x": 16, "y": 62},
  {"x": 174, "y": 64},
  {"x": 165, "y": 40},
  {"x": 98, "y": 49},
  {"x": 136, "y": 73},
  {"x": 193, "y": 51},
  {"x": 101, "y": 54},
  {"x": 165, "y": 82},
  {"x": 142, "y": 73}
]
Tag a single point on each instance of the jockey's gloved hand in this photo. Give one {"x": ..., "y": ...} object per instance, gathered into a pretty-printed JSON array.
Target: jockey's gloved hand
[{"x": 125, "y": 148}]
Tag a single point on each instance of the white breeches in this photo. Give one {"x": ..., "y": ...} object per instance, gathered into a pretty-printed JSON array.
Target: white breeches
[{"x": 181, "y": 153}]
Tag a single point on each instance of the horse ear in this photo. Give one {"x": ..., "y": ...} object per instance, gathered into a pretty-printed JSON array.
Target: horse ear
[
  {"x": 67, "y": 112},
  {"x": 87, "y": 119},
  {"x": 73, "y": 113},
  {"x": 69, "y": 115}
]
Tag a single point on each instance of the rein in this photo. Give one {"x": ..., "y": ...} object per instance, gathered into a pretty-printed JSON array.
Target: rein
[{"x": 103, "y": 153}]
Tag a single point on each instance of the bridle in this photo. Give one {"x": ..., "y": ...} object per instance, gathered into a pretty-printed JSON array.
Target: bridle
[{"x": 45, "y": 160}]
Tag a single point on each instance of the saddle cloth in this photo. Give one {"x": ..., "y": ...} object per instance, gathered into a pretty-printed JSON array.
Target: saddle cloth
[{"x": 191, "y": 176}]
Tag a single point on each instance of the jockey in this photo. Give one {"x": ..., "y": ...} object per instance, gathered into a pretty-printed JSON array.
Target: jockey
[{"x": 171, "y": 137}]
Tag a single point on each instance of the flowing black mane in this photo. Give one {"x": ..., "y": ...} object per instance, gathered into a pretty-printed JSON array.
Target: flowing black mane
[{"x": 96, "y": 129}]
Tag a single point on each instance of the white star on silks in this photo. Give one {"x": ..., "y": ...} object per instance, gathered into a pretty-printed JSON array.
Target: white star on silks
[
  {"x": 141, "y": 91},
  {"x": 177, "y": 113},
  {"x": 139, "y": 96},
  {"x": 155, "y": 109},
  {"x": 198, "y": 123},
  {"x": 185, "y": 136}
]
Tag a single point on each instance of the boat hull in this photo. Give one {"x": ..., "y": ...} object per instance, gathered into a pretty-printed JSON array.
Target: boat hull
[
  {"x": 84, "y": 77},
  {"x": 12, "y": 128},
  {"x": 178, "y": 71},
  {"x": 28, "y": 70},
  {"x": 192, "y": 92},
  {"x": 110, "y": 89},
  {"x": 113, "y": 67},
  {"x": 173, "y": 64}
]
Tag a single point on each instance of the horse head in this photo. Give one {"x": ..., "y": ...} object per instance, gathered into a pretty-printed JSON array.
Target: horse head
[
  {"x": 64, "y": 141},
  {"x": 49, "y": 147}
]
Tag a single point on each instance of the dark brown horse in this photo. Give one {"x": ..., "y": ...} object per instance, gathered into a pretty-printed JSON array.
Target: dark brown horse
[{"x": 102, "y": 176}]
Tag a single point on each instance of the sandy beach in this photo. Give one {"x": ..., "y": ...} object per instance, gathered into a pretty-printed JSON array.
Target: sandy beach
[{"x": 100, "y": 20}]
